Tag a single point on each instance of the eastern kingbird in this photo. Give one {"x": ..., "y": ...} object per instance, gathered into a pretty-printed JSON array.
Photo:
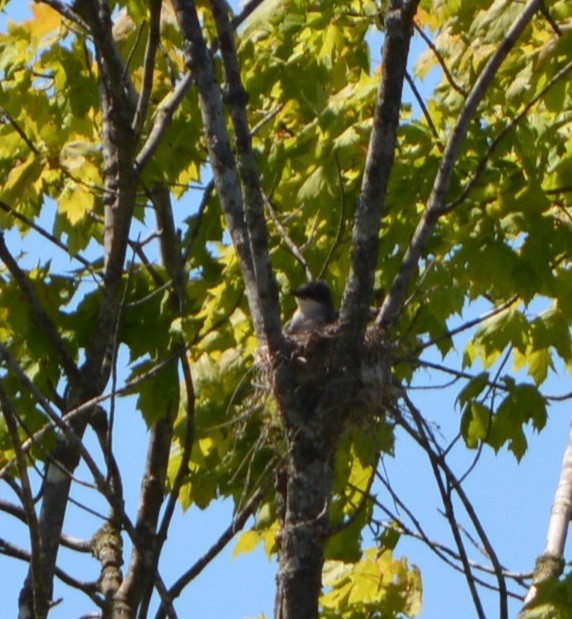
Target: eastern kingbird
[{"x": 315, "y": 307}]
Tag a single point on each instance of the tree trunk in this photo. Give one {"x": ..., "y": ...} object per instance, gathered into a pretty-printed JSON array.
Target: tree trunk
[{"x": 304, "y": 531}]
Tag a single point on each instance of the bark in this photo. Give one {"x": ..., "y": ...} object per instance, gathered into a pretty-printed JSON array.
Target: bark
[
  {"x": 237, "y": 185},
  {"x": 325, "y": 390},
  {"x": 314, "y": 420},
  {"x": 550, "y": 563},
  {"x": 120, "y": 182},
  {"x": 236, "y": 100},
  {"x": 379, "y": 161}
]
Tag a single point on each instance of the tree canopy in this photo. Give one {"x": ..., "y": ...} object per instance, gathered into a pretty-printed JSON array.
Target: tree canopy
[{"x": 194, "y": 166}]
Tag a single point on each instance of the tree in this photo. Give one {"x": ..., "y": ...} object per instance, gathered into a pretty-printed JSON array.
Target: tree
[{"x": 308, "y": 164}]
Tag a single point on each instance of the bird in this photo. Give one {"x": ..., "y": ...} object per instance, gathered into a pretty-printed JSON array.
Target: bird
[{"x": 315, "y": 307}]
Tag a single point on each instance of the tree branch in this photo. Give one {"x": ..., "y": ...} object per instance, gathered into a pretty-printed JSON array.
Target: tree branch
[
  {"x": 441, "y": 62},
  {"x": 50, "y": 237},
  {"x": 423, "y": 107},
  {"x": 445, "y": 492},
  {"x": 444, "y": 553},
  {"x": 88, "y": 588},
  {"x": 481, "y": 167},
  {"x": 354, "y": 312},
  {"x": 118, "y": 102},
  {"x": 166, "y": 112},
  {"x": 237, "y": 525},
  {"x": 393, "y": 302},
  {"x": 40, "y": 600},
  {"x": 264, "y": 305},
  {"x": 551, "y": 562},
  {"x": 438, "y": 462},
  {"x": 80, "y": 411},
  {"x": 292, "y": 247},
  {"x": 153, "y": 41},
  {"x": 67, "y": 12}
]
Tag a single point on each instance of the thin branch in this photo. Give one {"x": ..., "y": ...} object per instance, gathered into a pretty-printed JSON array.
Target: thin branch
[
  {"x": 190, "y": 240},
  {"x": 559, "y": 398},
  {"x": 106, "y": 490},
  {"x": 19, "y": 131},
  {"x": 132, "y": 51},
  {"x": 166, "y": 112},
  {"x": 341, "y": 222},
  {"x": 272, "y": 114},
  {"x": 50, "y": 237},
  {"x": 439, "y": 462},
  {"x": 38, "y": 589},
  {"x": 422, "y": 105},
  {"x": 449, "y": 334},
  {"x": 444, "y": 491},
  {"x": 481, "y": 167},
  {"x": 441, "y": 61},
  {"x": 88, "y": 588},
  {"x": 180, "y": 476},
  {"x": 73, "y": 543},
  {"x": 444, "y": 553},
  {"x": 153, "y": 41},
  {"x": 89, "y": 405},
  {"x": 358, "y": 509},
  {"x": 292, "y": 247},
  {"x": 247, "y": 9},
  {"x": 188, "y": 441},
  {"x": 143, "y": 563},
  {"x": 136, "y": 587},
  {"x": 39, "y": 315},
  {"x": 67, "y": 12},
  {"x": 434, "y": 386},
  {"x": 490, "y": 390},
  {"x": 163, "y": 119},
  {"x": 546, "y": 14},
  {"x": 393, "y": 302},
  {"x": 457, "y": 373},
  {"x": 58, "y": 421},
  {"x": 237, "y": 525}
]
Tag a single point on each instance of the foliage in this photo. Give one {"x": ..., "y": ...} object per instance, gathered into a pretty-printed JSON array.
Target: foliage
[
  {"x": 503, "y": 244},
  {"x": 553, "y": 601},
  {"x": 376, "y": 586}
]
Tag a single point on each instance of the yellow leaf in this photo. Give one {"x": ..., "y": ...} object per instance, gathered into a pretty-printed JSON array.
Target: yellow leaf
[
  {"x": 20, "y": 178},
  {"x": 247, "y": 542},
  {"x": 206, "y": 445},
  {"x": 45, "y": 20},
  {"x": 269, "y": 537},
  {"x": 75, "y": 201}
]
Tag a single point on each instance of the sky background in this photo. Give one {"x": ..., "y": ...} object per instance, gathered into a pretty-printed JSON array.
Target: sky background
[{"x": 513, "y": 500}]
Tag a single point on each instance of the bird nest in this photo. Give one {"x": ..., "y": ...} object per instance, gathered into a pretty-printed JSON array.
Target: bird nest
[{"x": 315, "y": 363}]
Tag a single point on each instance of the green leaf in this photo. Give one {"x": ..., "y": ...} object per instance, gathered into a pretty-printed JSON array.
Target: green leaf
[
  {"x": 158, "y": 396},
  {"x": 473, "y": 388},
  {"x": 476, "y": 423},
  {"x": 524, "y": 404}
]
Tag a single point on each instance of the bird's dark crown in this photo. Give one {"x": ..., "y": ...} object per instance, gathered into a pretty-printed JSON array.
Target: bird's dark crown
[{"x": 316, "y": 290}]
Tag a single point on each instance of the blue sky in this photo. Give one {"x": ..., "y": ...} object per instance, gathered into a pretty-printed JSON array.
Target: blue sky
[{"x": 513, "y": 501}]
